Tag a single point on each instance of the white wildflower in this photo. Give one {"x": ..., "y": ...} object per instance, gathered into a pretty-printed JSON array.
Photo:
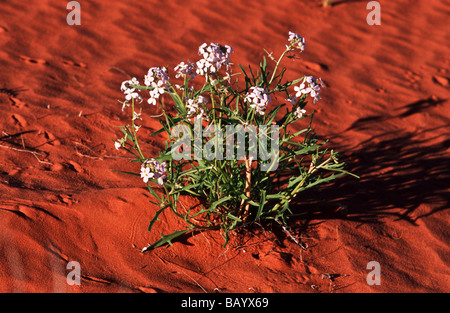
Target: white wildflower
[
  {"x": 194, "y": 106},
  {"x": 299, "y": 112},
  {"x": 152, "y": 169},
  {"x": 185, "y": 69},
  {"x": 296, "y": 41},
  {"x": 311, "y": 86},
  {"x": 258, "y": 98},
  {"x": 214, "y": 57},
  {"x": 157, "y": 78},
  {"x": 129, "y": 91},
  {"x": 136, "y": 116},
  {"x": 146, "y": 174}
]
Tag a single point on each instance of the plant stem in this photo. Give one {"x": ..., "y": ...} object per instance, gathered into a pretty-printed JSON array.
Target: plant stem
[
  {"x": 136, "y": 143},
  {"x": 276, "y": 66},
  {"x": 312, "y": 169},
  {"x": 248, "y": 181}
]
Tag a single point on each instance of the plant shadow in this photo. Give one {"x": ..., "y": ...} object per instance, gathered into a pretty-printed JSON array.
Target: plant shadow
[
  {"x": 338, "y": 2},
  {"x": 399, "y": 172}
]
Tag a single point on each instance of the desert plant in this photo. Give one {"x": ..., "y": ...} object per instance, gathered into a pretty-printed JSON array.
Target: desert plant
[{"x": 273, "y": 163}]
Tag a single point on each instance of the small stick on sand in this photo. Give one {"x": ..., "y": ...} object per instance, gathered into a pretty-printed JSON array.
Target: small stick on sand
[{"x": 34, "y": 153}]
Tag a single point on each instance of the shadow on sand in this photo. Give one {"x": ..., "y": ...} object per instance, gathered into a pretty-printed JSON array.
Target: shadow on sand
[{"x": 399, "y": 172}]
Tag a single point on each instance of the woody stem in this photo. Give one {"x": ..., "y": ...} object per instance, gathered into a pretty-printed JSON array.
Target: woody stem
[{"x": 248, "y": 180}]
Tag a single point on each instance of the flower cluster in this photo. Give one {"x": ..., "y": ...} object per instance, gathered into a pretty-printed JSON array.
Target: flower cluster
[
  {"x": 195, "y": 106},
  {"x": 309, "y": 85},
  {"x": 185, "y": 69},
  {"x": 258, "y": 98},
  {"x": 129, "y": 91},
  {"x": 152, "y": 169},
  {"x": 157, "y": 78},
  {"x": 214, "y": 57},
  {"x": 296, "y": 41}
]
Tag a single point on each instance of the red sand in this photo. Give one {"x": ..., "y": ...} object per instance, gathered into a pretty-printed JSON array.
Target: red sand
[{"x": 386, "y": 109}]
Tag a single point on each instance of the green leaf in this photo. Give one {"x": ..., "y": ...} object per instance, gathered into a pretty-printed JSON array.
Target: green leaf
[
  {"x": 251, "y": 202},
  {"x": 253, "y": 76},
  {"x": 247, "y": 79},
  {"x": 226, "y": 236},
  {"x": 127, "y": 133},
  {"x": 273, "y": 113},
  {"x": 283, "y": 70},
  {"x": 324, "y": 180},
  {"x": 231, "y": 216},
  {"x": 166, "y": 239},
  {"x": 297, "y": 133},
  {"x": 130, "y": 152},
  {"x": 263, "y": 77},
  {"x": 285, "y": 208},
  {"x": 150, "y": 189},
  {"x": 220, "y": 201},
  {"x": 164, "y": 157},
  {"x": 297, "y": 81},
  {"x": 186, "y": 189},
  {"x": 279, "y": 195},
  {"x": 295, "y": 180},
  {"x": 128, "y": 173},
  {"x": 155, "y": 218},
  {"x": 262, "y": 203},
  {"x": 228, "y": 120},
  {"x": 158, "y": 131},
  {"x": 178, "y": 102}
]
